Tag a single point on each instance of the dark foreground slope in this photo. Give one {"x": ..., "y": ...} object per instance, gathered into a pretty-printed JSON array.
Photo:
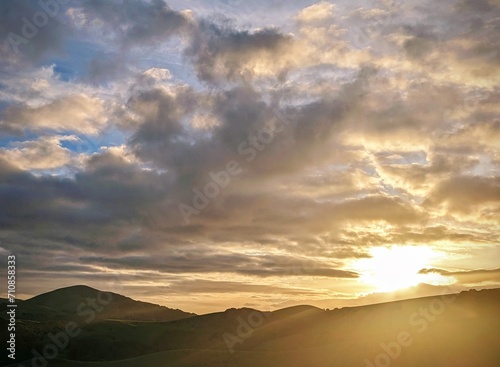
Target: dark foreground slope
[{"x": 455, "y": 331}]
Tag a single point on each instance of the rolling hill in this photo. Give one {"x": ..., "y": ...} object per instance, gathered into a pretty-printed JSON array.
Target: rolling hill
[
  {"x": 64, "y": 303},
  {"x": 457, "y": 331}
]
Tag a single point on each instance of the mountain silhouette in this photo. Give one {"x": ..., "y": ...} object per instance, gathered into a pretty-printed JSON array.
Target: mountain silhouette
[{"x": 64, "y": 303}]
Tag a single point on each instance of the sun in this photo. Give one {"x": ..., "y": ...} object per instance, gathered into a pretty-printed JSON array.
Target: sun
[{"x": 392, "y": 268}]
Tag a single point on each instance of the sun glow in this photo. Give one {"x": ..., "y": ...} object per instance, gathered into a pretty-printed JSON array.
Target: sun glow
[{"x": 393, "y": 268}]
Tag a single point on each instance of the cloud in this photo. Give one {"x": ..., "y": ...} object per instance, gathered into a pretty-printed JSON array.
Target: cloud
[
  {"x": 419, "y": 46},
  {"x": 108, "y": 191},
  {"x": 132, "y": 23},
  {"x": 463, "y": 272},
  {"x": 316, "y": 13},
  {"x": 475, "y": 6},
  {"x": 467, "y": 276},
  {"x": 370, "y": 13},
  {"x": 367, "y": 145},
  {"x": 221, "y": 53},
  {"x": 45, "y": 153},
  {"x": 156, "y": 74},
  {"x": 201, "y": 262},
  {"x": 29, "y": 33},
  {"x": 477, "y": 136},
  {"x": 465, "y": 194},
  {"x": 72, "y": 113},
  {"x": 408, "y": 171},
  {"x": 220, "y": 287},
  {"x": 107, "y": 68},
  {"x": 376, "y": 208},
  {"x": 464, "y": 52},
  {"x": 125, "y": 29},
  {"x": 241, "y": 114}
]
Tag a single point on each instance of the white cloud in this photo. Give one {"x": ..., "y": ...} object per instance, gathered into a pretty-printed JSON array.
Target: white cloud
[
  {"x": 74, "y": 113},
  {"x": 316, "y": 13},
  {"x": 44, "y": 153}
]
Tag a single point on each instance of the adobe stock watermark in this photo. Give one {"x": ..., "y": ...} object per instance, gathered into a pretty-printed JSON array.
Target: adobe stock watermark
[
  {"x": 245, "y": 328},
  {"x": 31, "y": 27},
  {"x": 420, "y": 320},
  {"x": 249, "y": 149}
]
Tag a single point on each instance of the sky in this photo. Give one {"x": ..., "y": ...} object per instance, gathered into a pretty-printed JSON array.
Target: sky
[{"x": 207, "y": 155}]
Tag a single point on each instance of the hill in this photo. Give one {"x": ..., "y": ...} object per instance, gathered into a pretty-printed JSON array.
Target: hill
[
  {"x": 458, "y": 330},
  {"x": 66, "y": 303}
]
